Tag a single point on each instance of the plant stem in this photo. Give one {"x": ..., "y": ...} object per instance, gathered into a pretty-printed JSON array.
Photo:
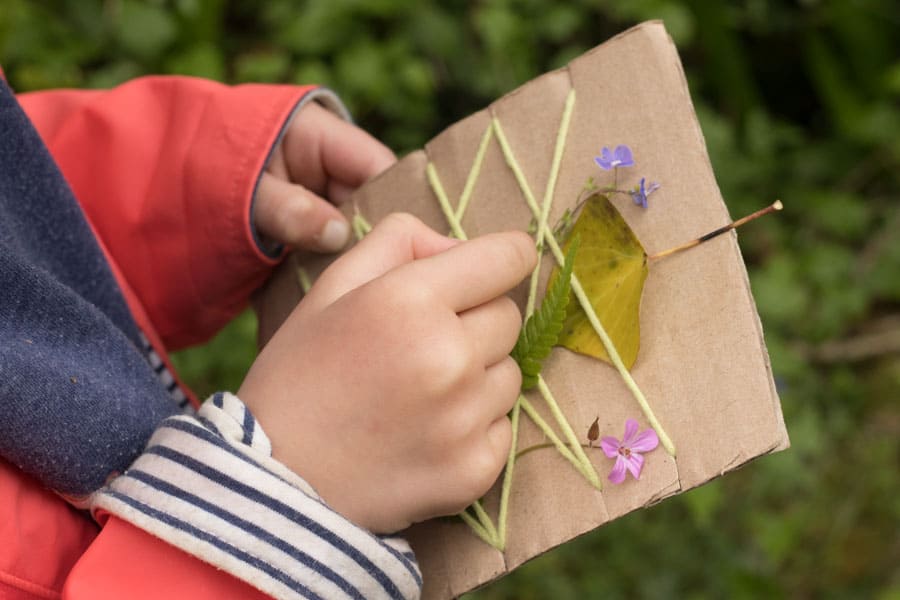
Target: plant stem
[
  {"x": 543, "y": 446},
  {"x": 551, "y": 435},
  {"x": 775, "y": 206}
]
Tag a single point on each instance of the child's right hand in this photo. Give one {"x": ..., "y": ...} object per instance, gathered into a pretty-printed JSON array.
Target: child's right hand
[{"x": 387, "y": 388}]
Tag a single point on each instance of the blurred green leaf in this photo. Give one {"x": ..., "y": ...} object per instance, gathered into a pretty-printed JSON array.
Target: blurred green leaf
[
  {"x": 843, "y": 215},
  {"x": 677, "y": 16},
  {"x": 322, "y": 26},
  {"x": 145, "y": 29},
  {"x": 113, "y": 74},
  {"x": 313, "y": 71},
  {"x": 200, "y": 60},
  {"x": 263, "y": 66},
  {"x": 780, "y": 294},
  {"x": 222, "y": 363},
  {"x": 892, "y": 79},
  {"x": 704, "y": 502}
]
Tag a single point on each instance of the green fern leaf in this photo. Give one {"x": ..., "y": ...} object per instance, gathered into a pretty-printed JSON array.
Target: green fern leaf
[{"x": 541, "y": 330}]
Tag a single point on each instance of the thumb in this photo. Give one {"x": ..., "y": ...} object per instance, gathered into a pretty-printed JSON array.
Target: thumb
[{"x": 397, "y": 240}]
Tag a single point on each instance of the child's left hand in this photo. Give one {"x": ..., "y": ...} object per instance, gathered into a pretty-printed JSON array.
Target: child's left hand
[{"x": 318, "y": 163}]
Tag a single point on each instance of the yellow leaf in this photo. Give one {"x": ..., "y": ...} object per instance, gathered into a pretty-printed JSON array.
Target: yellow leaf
[{"x": 612, "y": 267}]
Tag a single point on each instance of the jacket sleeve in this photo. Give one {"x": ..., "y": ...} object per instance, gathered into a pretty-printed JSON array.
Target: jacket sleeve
[
  {"x": 165, "y": 169},
  {"x": 208, "y": 487}
]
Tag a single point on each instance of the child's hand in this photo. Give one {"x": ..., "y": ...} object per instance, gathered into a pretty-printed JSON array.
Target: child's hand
[
  {"x": 387, "y": 388},
  {"x": 320, "y": 161}
]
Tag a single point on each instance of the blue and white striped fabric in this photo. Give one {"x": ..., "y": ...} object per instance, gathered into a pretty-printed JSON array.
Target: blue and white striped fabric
[
  {"x": 165, "y": 376},
  {"x": 208, "y": 485}
]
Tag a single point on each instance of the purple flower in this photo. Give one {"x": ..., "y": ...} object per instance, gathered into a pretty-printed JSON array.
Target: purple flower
[
  {"x": 639, "y": 194},
  {"x": 620, "y": 157},
  {"x": 628, "y": 452}
]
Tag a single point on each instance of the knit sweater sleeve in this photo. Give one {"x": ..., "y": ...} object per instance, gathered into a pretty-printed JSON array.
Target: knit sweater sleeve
[{"x": 208, "y": 486}]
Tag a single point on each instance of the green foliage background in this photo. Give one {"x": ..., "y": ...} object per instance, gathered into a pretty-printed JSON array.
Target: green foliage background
[{"x": 798, "y": 100}]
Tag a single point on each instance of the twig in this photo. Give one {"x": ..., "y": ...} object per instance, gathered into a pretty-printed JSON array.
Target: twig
[{"x": 777, "y": 205}]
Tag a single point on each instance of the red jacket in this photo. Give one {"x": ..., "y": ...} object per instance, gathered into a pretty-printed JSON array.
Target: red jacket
[{"x": 165, "y": 170}]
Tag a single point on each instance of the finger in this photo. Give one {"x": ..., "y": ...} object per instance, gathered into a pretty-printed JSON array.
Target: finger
[
  {"x": 474, "y": 458},
  {"x": 339, "y": 192},
  {"x": 320, "y": 146},
  {"x": 494, "y": 328},
  {"x": 502, "y": 383},
  {"x": 292, "y": 215},
  {"x": 499, "y": 437},
  {"x": 397, "y": 240},
  {"x": 477, "y": 271},
  {"x": 506, "y": 380}
]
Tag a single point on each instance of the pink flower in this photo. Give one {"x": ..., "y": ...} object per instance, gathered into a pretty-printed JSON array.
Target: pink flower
[{"x": 628, "y": 452}]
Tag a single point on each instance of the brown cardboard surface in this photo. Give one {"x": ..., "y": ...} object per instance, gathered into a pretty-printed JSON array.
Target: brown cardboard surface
[{"x": 702, "y": 365}]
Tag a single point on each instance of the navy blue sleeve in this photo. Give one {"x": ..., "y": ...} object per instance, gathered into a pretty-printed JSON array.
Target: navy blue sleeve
[{"x": 78, "y": 398}]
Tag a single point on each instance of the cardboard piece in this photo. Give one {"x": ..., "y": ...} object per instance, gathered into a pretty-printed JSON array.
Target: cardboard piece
[{"x": 702, "y": 365}]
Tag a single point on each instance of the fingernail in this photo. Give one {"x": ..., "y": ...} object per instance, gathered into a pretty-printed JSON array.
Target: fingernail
[{"x": 334, "y": 235}]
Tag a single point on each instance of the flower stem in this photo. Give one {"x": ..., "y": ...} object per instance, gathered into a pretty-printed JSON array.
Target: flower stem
[
  {"x": 551, "y": 435},
  {"x": 543, "y": 446},
  {"x": 775, "y": 206}
]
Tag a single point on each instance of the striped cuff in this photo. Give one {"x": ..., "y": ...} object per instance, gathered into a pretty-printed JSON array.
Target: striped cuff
[{"x": 209, "y": 486}]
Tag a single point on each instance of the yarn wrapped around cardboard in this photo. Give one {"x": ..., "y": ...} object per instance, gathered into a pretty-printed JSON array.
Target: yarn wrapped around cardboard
[{"x": 702, "y": 365}]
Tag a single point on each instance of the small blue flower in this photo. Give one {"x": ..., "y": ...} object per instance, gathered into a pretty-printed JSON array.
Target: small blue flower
[
  {"x": 639, "y": 194},
  {"x": 620, "y": 157}
]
